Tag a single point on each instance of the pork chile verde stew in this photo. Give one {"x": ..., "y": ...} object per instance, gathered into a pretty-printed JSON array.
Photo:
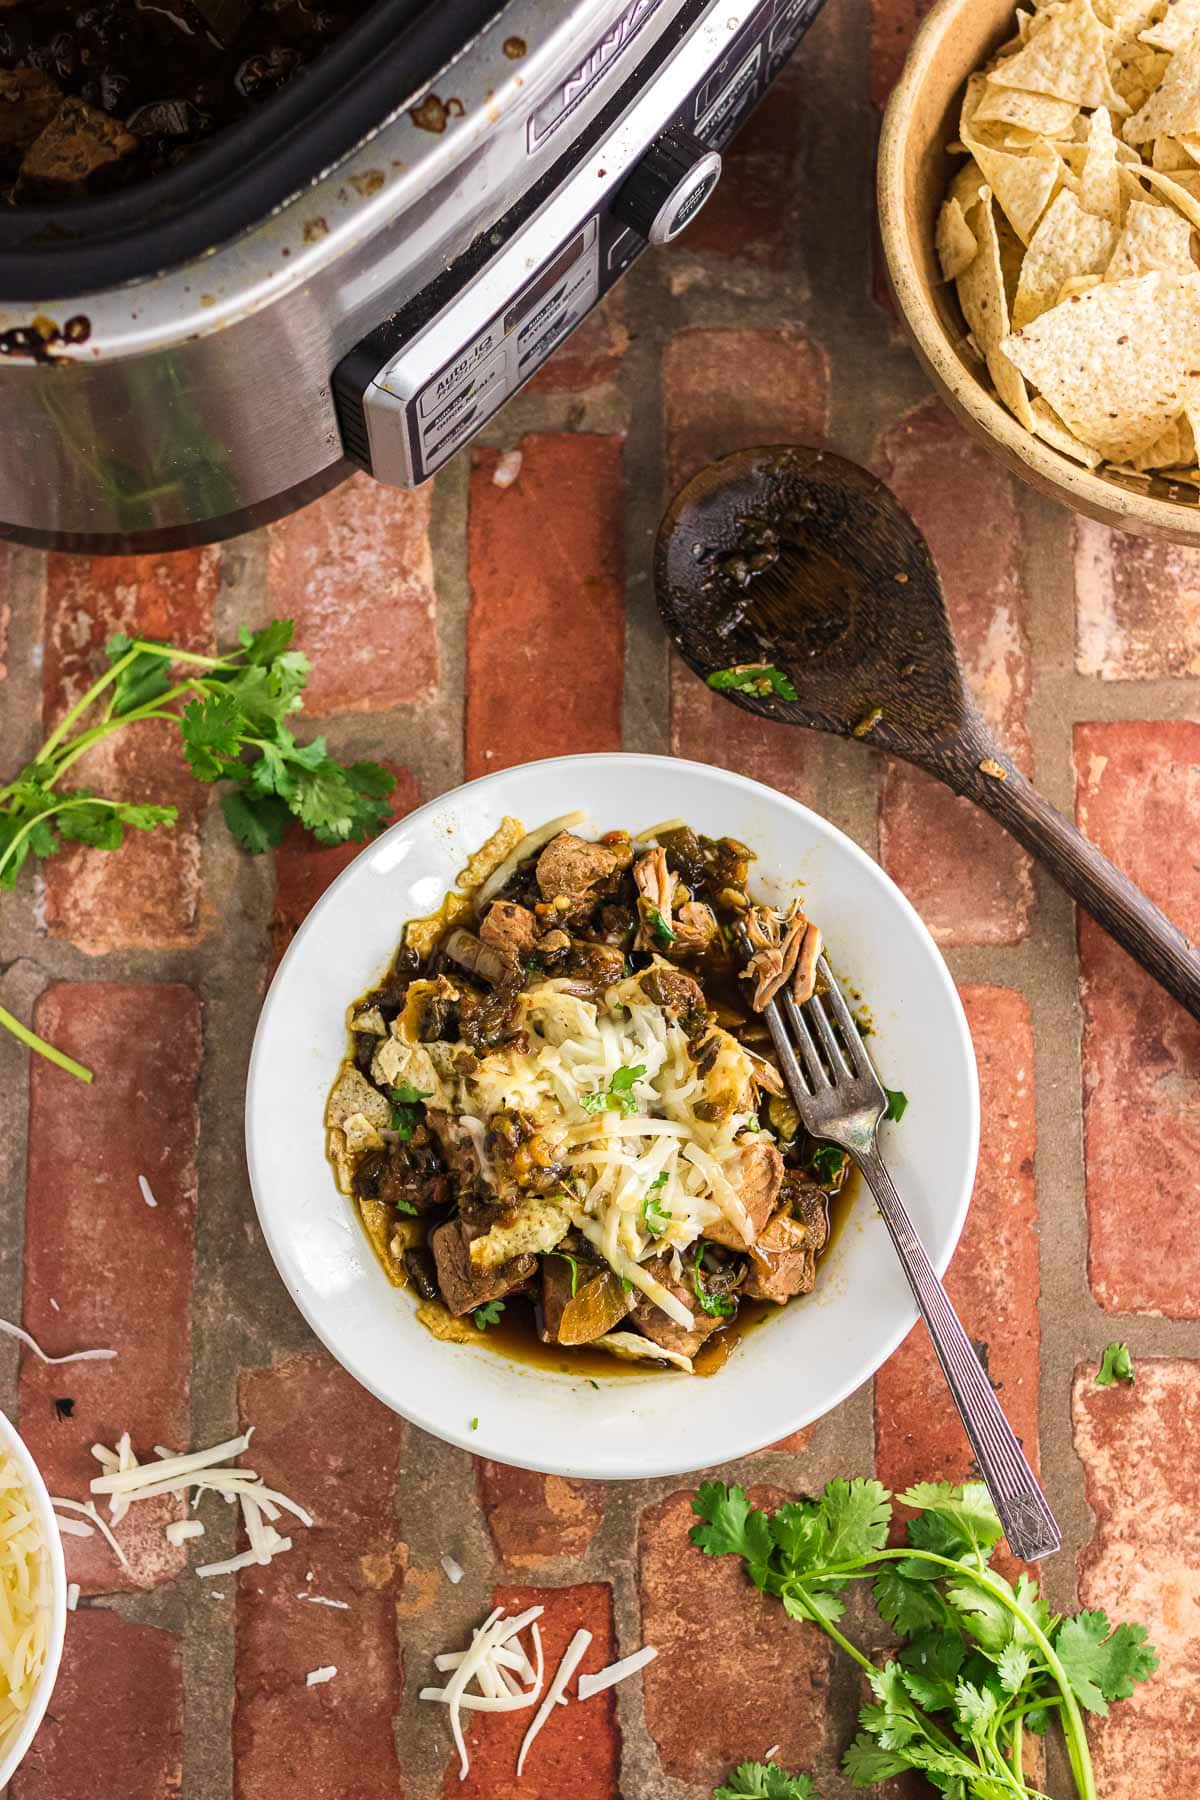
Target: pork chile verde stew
[
  {"x": 560, "y": 1104},
  {"x": 93, "y": 97}
]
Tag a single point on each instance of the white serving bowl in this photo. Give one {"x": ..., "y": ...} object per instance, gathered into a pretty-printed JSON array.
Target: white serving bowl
[
  {"x": 39, "y": 1500},
  {"x": 784, "y": 1374}
]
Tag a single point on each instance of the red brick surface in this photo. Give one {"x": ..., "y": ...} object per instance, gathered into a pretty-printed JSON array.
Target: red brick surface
[
  {"x": 304, "y": 868},
  {"x": 993, "y": 1278},
  {"x": 546, "y": 629},
  {"x": 1141, "y": 1564},
  {"x": 577, "y": 1752},
  {"x": 893, "y": 27},
  {"x": 534, "y": 1518},
  {"x": 761, "y": 1680},
  {"x": 967, "y": 878},
  {"x": 324, "y": 1441},
  {"x": 354, "y": 571},
  {"x": 114, "y": 1730},
  {"x": 1137, "y": 606},
  {"x": 147, "y": 894},
  {"x": 730, "y": 389},
  {"x": 1138, "y": 798},
  {"x": 119, "y": 1270}
]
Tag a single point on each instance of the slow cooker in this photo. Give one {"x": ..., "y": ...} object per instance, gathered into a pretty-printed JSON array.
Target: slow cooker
[{"x": 364, "y": 270}]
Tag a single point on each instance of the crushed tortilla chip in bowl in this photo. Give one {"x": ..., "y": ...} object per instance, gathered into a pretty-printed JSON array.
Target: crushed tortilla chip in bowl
[{"x": 1039, "y": 195}]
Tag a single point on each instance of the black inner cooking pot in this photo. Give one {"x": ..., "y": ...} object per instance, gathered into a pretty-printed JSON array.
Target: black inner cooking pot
[{"x": 248, "y": 169}]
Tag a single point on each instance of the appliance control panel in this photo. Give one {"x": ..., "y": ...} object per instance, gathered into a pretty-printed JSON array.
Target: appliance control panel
[{"x": 420, "y": 387}]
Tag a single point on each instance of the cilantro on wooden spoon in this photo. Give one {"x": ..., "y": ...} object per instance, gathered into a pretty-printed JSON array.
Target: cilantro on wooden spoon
[{"x": 232, "y": 714}]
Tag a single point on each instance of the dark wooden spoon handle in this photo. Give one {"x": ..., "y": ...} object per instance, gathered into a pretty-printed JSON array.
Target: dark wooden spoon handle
[{"x": 971, "y": 767}]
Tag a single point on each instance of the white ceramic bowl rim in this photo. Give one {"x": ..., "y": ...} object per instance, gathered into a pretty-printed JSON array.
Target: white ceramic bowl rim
[
  {"x": 620, "y": 1447},
  {"x": 39, "y": 1498}
]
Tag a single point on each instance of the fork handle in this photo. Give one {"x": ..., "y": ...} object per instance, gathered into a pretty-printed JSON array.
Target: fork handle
[{"x": 1029, "y": 1525}]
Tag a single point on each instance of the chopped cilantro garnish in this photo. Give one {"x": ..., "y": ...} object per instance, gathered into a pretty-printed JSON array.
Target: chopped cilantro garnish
[
  {"x": 1115, "y": 1365},
  {"x": 658, "y": 925},
  {"x": 718, "y": 1306},
  {"x": 405, "y": 1094},
  {"x": 618, "y": 1095},
  {"x": 406, "y": 1206},
  {"x": 828, "y": 1161},
  {"x": 753, "y": 678},
  {"x": 567, "y": 1258},
  {"x": 897, "y": 1104},
  {"x": 592, "y": 1383},
  {"x": 488, "y": 1314},
  {"x": 475, "y": 1424},
  {"x": 655, "y": 1216},
  {"x": 405, "y": 1118}
]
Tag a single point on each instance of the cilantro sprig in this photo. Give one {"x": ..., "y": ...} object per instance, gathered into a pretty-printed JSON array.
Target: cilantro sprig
[
  {"x": 232, "y": 712},
  {"x": 980, "y": 1660},
  {"x": 487, "y": 1314},
  {"x": 406, "y": 1110},
  {"x": 765, "y": 1781},
  {"x": 753, "y": 678},
  {"x": 618, "y": 1096},
  {"x": 656, "y": 1217}
]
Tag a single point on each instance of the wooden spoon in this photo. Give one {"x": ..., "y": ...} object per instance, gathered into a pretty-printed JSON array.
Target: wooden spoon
[{"x": 797, "y": 561}]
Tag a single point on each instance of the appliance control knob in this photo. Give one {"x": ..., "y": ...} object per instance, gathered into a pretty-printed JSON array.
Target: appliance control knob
[{"x": 668, "y": 187}]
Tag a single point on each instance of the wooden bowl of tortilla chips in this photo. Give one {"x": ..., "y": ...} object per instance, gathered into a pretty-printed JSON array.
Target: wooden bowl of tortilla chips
[{"x": 1039, "y": 197}]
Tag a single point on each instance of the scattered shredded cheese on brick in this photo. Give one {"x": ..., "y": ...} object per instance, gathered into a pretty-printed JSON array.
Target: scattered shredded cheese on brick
[
  {"x": 452, "y": 1570},
  {"x": 572, "y": 1656},
  {"x": 323, "y": 1600},
  {"x": 147, "y": 1191},
  {"x": 179, "y": 1530},
  {"x": 618, "y": 1671},
  {"x": 317, "y": 1677},
  {"x": 75, "y": 1355},
  {"x": 72, "y": 1595},
  {"x": 480, "y": 1662}
]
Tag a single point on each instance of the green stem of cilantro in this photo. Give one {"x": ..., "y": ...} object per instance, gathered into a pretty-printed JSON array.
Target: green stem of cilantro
[
  {"x": 33, "y": 1042},
  {"x": 153, "y": 709},
  {"x": 81, "y": 706},
  {"x": 63, "y": 806},
  {"x": 1073, "y": 1726}
]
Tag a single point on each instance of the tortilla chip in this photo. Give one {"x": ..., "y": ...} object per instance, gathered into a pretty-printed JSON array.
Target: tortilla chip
[
  {"x": 1023, "y": 185},
  {"x": 956, "y": 242},
  {"x": 1190, "y": 147},
  {"x": 1077, "y": 284},
  {"x": 1100, "y": 187},
  {"x": 1176, "y": 190},
  {"x": 967, "y": 186},
  {"x": 1069, "y": 241},
  {"x": 1164, "y": 453},
  {"x": 1068, "y": 59},
  {"x": 1126, "y": 17},
  {"x": 1012, "y": 255},
  {"x": 1169, "y": 155},
  {"x": 985, "y": 308},
  {"x": 1155, "y": 237},
  {"x": 1173, "y": 109},
  {"x": 1178, "y": 29},
  {"x": 1040, "y": 114},
  {"x": 1118, "y": 363},
  {"x": 1051, "y": 430}
]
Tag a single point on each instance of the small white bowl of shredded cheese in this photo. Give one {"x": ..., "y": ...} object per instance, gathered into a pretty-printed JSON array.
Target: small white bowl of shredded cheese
[{"x": 33, "y": 1600}]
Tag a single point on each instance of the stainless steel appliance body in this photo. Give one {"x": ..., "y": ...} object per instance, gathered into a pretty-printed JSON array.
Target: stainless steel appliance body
[{"x": 382, "y": 314}]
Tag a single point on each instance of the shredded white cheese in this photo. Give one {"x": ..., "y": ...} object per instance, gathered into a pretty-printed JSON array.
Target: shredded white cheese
[
  {"x": 483, "y": 1662},
  {"x": 24, "y": 1600},
  {"x": 32, "y": 1344},
  {"x": 322, "y": 1600},
  {"x": 317, "y": 1677},
  {"x": 245, "y": 1560},
  {"x": 74, "y": 1528},
  {"x": 618, "y": 1671},
  {"x": 72, "y": 1595},
  {"x": 147, "y": 1191},
  {"x": 177, "y": 1531},
  {"x": 571, "y": 1658},
  {"x": 88, "y": 1509},
  {"x": 452, "y": 1570}
]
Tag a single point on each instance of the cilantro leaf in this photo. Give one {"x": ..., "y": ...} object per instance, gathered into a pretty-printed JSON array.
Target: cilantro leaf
[
  {"x": 488, "y": 1314},
  {"x": 910, "y": 1603},
  {"x": 897, "y": 1104},
  {"x": 828, "y": 1162},
  {"x": 930, "y": 1664},
  {"x": 974, "y": 1708},
  {"x": 258, "y": 823},
  {"x": 265, "y": 645},
  {"x": 753, "y": 678},
  {"x": 618, "y": 1096},
  {"x": 655, "y": 1216},
  {"x": 865, "y": 1762},
  {"x": 405, "y": 1094},
  {"x": 662, "y": 931},
  {"x": 212, "y": 734},
  {"x": 95, "y": 825},
  {"x": 1115, "y": 1365},
  {"x": 732, "y": 1527},
  {"x": 145, "y": 818},
  {"x": 765, "y": 1781},
  {"x": 717, "y": 1306},
  {"x": 856, "y": 1516},
  {"x": 958, "y": 1522},
  {"x": 568, "y": 1258},
  {"x": 1103, "y": 1663},
  {"x": 406, "y": 1206}
]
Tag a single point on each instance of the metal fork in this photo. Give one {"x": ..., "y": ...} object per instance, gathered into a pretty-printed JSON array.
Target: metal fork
[{"x": 840, "y": 1098}]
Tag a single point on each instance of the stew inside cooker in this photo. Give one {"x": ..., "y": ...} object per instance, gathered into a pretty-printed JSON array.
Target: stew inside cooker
[{"x": 95, "y": 96}]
